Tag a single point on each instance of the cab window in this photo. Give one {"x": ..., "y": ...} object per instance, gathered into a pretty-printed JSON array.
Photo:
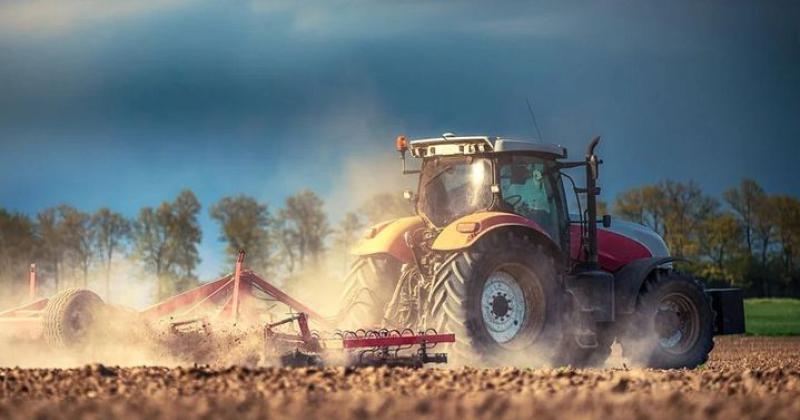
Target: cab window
[{"x": 527, "y": 189}]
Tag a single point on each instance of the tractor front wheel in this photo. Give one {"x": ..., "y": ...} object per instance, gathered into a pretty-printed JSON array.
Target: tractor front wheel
[
  {"x": 367, "y": 290},
  {"x": 501, "y": 299}
]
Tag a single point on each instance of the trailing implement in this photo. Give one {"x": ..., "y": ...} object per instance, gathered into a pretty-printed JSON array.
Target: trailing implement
[{"x": 76, "y": 320}]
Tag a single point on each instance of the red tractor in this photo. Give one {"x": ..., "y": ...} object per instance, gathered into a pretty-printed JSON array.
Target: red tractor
[{"x": 494, "y": 256}]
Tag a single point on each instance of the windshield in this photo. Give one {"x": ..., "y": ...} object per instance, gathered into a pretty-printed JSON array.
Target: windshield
[{"x": 454, "y": 187}]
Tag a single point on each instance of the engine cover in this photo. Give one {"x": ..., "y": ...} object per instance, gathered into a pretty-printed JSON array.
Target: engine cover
[{"x": 620, "y": 244}]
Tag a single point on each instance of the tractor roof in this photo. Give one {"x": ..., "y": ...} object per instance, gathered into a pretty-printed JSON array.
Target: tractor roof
[{"x": 450, "y": 144}]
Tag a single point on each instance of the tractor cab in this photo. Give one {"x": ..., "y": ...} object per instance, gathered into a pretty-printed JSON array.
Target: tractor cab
[{"x": 460, "y": 176}]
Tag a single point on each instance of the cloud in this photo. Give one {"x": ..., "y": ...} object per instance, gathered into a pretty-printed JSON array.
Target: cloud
[{"x": 55, "y": 17}]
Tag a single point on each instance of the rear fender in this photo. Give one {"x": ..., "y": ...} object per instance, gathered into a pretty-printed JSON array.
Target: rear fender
[
  {"x": 464, "y": 232},
  {"x": 388, "y": 238},
  {"x": 629, "y": 279}
]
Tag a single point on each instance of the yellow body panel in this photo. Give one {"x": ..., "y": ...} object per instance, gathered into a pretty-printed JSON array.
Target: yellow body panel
[
  {"x": 387, "y": 238},
  {"x": 465, "y": 231}
]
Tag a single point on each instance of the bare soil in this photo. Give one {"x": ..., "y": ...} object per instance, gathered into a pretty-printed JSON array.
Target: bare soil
[{"x": 747, "y": 377}]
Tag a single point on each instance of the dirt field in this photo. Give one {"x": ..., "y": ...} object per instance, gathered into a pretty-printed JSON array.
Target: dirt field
[{"x": 746, "y": 377}]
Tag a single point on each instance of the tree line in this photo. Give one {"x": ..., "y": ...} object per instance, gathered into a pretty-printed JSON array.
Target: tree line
[
  {"x": 748, "y": 238},
  {"x": 69, "y": 245}
]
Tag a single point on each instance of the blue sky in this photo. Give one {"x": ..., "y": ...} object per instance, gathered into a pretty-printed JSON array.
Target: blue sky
[{"x": 123, "y": 104}]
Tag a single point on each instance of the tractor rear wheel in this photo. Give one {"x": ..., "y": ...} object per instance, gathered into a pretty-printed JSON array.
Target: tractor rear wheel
[
  {"x": 367, "y": 290},
  {"x": 673, "y": 325},
  {"x": 501, "y": 299},
  {"x": 70, "y": 318}
]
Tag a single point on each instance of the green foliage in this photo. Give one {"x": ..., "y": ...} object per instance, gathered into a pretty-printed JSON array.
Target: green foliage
[
  {"x": 385, "y": 206},
  {"x": 302, "y": 228},
  {"x": 720, "y": 244},
  {"x": 753, "y": 243},
  {"x": 52, "y": 246},
  {"x": 18, "y": 247},
  {"x": 345, "y": 236},
  {"x": 745, "y": 201},
  {"x": 166, "y": 240},
  {"x": 643, "y": 205},
  {"x": 245, "y": 224},
  {"x": 772, "y": 316},
  {"x": 78, "y": 239},
  {"x": 111, "y": 231}
]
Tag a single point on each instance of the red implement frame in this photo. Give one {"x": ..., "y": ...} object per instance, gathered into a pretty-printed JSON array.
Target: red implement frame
[
  {"x": 401, "y": 340},
  {"x": 232, "y": 298},
  {"x": 360, "y": 348},
  {"x": 25, "y": 320},
  {"x": 234, "y": 293}
]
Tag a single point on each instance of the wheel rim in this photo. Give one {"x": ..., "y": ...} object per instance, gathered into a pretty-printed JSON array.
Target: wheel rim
[
  {"x": 677, "y": 323},
  {"x": 503, "y": 306}
]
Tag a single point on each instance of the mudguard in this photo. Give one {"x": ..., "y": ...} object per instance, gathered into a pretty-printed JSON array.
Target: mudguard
[
  {"x": 628, "y": 281},
  {"x": 388, "y": 238},
  {"x": 467, "y": 230}
]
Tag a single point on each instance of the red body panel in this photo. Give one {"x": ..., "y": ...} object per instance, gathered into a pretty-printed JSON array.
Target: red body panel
[{"x": 614, "y": 250}]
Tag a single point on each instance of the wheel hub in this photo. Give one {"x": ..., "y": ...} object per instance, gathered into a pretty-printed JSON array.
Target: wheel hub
[
  {"x": 676, "y": 324},
  {"x": 502, "y": 306}
]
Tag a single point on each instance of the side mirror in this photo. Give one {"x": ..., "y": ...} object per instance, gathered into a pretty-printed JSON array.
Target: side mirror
[{"x": 606, "y": 221}]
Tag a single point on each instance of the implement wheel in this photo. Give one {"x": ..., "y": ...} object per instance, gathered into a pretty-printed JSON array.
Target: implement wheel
[{"x": 70, "y": 318}]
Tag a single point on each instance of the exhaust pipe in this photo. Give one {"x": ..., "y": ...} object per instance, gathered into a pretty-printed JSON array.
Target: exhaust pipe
[{"x": 592, "y": 191}]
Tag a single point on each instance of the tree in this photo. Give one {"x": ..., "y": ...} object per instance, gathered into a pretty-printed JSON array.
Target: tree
[
  {"x": 721, "y": 241},
  {"x": 346, "y": 236},
  {"x": 78, "y": 238},
  {"x": 303, "y": 227},
  {"x": 643, "y": 205},
  {"x": 185, "y": 236},
  {"x": 18, "y": 246},
  {"x": 166, "y": 241},
  {"x": 744, "y": 200},
  {"x": 764, "y": 216},
  {"x": 52, "y": 244},
  {"x": 685, "y": 209},
  {"x": 385, "y": 206},
  {"x": 152, "y": 242},
  {"x": 788, "y": 230},
  {"x": 110, "y": 231},
  {"x": 244, "y": 224},
  {"x": 287, "y": 240}
]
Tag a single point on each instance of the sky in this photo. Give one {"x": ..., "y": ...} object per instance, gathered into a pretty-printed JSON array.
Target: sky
[{"x": 125, "y": 103}]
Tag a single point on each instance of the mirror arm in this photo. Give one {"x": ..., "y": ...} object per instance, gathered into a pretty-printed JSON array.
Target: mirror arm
[{"x": 568, "y": 165}]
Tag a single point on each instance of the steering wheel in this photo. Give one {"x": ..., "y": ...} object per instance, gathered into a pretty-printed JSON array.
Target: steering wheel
[{"x": 516, "y": 200}]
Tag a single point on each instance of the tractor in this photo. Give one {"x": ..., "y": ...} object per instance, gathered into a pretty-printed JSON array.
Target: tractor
[{"x": 493, "y": 255}]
